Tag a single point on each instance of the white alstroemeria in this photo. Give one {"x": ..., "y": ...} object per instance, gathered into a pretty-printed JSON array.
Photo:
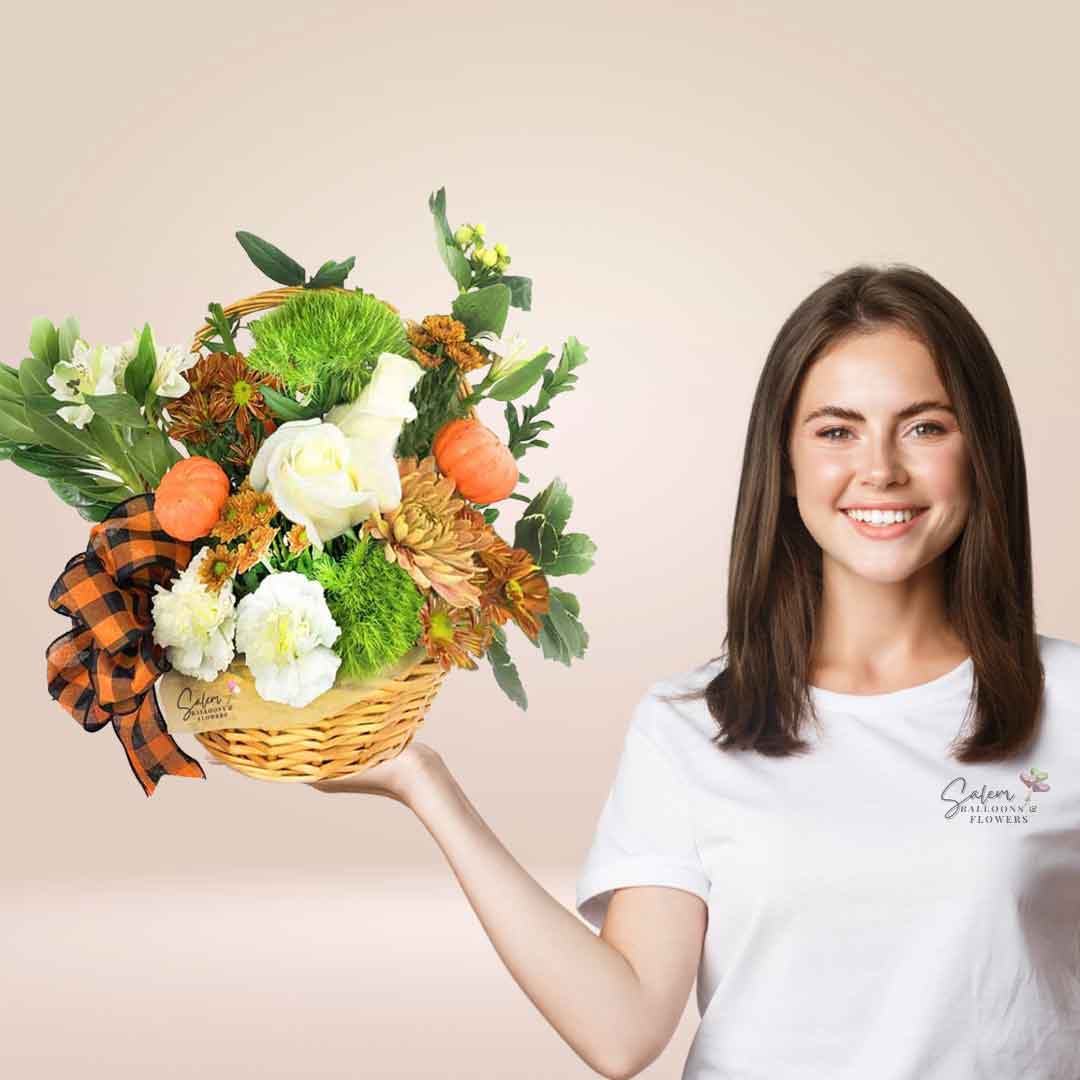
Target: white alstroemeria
[
  {"x": 91, "y": 370},
  {"x": 194, "y": 624},
  {"x": 510, "y": 353},
  {"x": 373, "y": 422},
  {"x": 169, "y": 365},
  {"x": 284, "y": 629}
]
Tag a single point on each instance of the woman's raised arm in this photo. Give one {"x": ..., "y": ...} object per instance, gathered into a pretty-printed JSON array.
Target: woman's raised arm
[{"x": 586, "y": 988}]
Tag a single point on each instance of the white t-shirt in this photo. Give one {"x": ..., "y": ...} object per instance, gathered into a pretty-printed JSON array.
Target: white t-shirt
[{"x": 876, "y": 909}]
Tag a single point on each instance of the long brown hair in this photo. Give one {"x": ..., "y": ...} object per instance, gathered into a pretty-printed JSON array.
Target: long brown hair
[{"x": 774, "y": 574}]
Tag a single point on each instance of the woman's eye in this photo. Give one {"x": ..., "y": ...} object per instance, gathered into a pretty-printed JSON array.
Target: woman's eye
[{"x": 937, "y": 429}]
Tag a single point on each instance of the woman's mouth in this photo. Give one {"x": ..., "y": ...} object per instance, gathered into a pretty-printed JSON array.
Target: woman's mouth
[{"x": 879, "y": 525}]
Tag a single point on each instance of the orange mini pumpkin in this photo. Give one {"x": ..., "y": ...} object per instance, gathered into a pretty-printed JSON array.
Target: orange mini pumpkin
[
  {"x": 482, "y": 467},
  {"x": 189, "y": 499}
]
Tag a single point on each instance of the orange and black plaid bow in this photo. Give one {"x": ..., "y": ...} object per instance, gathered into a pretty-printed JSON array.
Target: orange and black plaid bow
[{"x": 103, "y": 669}]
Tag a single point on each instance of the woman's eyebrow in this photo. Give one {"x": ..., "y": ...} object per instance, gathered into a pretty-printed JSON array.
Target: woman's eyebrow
[{"x": 841, "y": 412}]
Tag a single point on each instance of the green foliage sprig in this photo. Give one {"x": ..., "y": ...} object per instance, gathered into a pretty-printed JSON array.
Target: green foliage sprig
[{"x": 123, "y": 450}]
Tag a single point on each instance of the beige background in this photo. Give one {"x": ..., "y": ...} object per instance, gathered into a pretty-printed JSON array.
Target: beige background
[{"x": 675, "y": 178}]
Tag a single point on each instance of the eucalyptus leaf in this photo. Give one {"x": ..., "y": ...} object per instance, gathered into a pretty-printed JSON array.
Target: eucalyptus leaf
[
  {"x": 272, "y": 261},
  {"x": 506, "y": 673},
  {"x": 483, "y": 310},
  {"x": 520, "y": 290}
]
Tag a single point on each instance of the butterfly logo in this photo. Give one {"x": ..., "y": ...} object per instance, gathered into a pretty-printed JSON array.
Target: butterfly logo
[{"x": 1035, "y": 780}]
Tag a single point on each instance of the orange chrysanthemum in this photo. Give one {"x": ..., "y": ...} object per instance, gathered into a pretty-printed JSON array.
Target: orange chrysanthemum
[
  {"x": 218, "y": 567},
  {"x": 467, "y": 357},
  {"x": 513, "y": 587},
  {"x": 235, "y": 392},
  {"x": 234, "y": 519},
  {"x": 191, "y": 418},
  {"x": 297, "y": 539},
  {"x": 255, "y": 547},
  {"x": 451, "y": 634}
]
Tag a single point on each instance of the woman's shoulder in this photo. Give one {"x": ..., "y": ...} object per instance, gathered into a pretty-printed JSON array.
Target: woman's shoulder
[
  {"x": 673, "y": 711},
  {"x": 1061, "y": 668}
]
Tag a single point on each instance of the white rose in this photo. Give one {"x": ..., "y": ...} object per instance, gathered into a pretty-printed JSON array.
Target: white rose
[
  {"x": 373, "y": 422},
  {"x": 285, "y": 630},
  {"x": 91, "y": 370},
  {"x": 194, "y": 624},
  {"x": 307, "y": 466}
]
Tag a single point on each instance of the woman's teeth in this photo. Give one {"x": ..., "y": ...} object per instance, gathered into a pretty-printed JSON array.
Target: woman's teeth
[{"x": 883, "y": 517}]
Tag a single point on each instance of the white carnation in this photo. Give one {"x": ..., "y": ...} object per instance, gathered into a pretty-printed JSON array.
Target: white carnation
[
  {"x": 284, "y": 629},
  {"x": 194, "y": 624}
]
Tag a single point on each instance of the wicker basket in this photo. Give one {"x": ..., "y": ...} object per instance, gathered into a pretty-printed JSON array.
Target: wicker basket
[{"x": 375, "y": 728}]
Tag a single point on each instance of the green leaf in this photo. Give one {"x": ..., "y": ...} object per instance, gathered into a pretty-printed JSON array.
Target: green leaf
[
  {"x": 9, "y": 383},
  {"x": 535, "y": 534},
  {"x": 153, "y": 455},
  {"x": 451, "y": 255},
  {"x": 490, "y": 515},
  {"x": 506, "y": 674},
  {"x": 44, "y": 343},
  {"x": 67, "y": 336},
  {"x": 554, "y": 504},
  {"x": 483, "y": 310},
  {"x": 88, "y": 508},
  {"x": 139, "y": 373},
  {"x": 120, "y": 409},
  {"x": 51, "y": 430},
  {"x": 272, "y": 261},
  {"x": 332, "y": 273},
  {"x": 46, "y": 404},
  {"x": 15, "y": 424},
  {"x": 562, "y": 636},
  {"x": 520, "y": 290},
  {"x": 285, "y": 408},
  {"x": 575, "y": 555},
  {"x": 42, "y": 462},
  {"x": 519, "y": 382}
]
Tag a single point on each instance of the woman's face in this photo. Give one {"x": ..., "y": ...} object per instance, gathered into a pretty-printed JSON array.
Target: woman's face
[{"x": 854, "y": 444}]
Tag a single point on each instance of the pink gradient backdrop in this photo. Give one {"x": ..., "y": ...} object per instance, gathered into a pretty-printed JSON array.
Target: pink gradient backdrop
[{"x": 674, "y": 179}]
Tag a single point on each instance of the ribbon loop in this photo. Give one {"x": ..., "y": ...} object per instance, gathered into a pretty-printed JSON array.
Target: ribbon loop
[{"x": 103, "y": 669}]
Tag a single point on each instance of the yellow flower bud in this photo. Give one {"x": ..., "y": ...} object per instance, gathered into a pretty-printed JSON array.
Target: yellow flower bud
[
  {"x": 479, "y": 229},
  {"x": 500, "y": 248},
  {"x": 489, "y": 258},
  {"x": 479, "y": 252},
  {"x": 463, "y": 236}
]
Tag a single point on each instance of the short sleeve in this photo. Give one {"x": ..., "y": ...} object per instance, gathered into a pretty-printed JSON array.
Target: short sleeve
[{"x": 645, "y": 833}]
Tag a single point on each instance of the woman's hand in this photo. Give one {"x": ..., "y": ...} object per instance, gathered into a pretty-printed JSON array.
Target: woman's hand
[{"x": 396, "y": 778}]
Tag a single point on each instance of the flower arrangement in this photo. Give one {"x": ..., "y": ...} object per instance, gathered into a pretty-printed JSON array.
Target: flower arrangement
[{"x": 321, "y": 506}]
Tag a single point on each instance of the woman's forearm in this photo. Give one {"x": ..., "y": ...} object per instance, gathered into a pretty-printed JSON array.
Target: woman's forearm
[{"x": 585, "y": 988}]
